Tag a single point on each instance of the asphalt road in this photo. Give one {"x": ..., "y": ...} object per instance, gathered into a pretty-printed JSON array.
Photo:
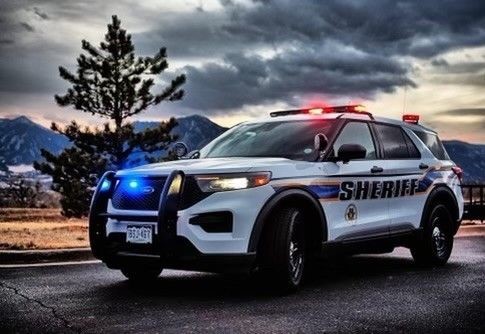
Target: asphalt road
[{"x": 384, "y": 293}]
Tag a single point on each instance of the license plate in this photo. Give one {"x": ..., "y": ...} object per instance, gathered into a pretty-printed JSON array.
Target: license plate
[{"x": 139, "y": 234}]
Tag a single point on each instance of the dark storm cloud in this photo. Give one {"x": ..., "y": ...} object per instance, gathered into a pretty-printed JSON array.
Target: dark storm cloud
[
  {"x": 416, "y": 28},
  {"x": 471, "y": 73},
  {"x": 27, "y": 68},
  {"x": 464, "y": 67},
  {"x": 464, "y": 112},
  {"x": 29, "y": 59},
  {"x": 247, "y": 80},
  {"x": 254, "y": 52},
  {"x": 27, "y": 26},
  {"x": 313, "y": 39},
  {"x": 188, "y": 36},
  {"x": 40, "y": 13},
  {"x": 439, "y": 62}
]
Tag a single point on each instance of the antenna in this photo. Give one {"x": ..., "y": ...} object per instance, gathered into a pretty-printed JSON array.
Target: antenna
[{"x": 404, "y": 99}]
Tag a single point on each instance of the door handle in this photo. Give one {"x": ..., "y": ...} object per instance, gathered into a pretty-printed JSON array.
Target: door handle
[
  {"x": 423, "y": 166},
  {"x": 376, "y": 169}
]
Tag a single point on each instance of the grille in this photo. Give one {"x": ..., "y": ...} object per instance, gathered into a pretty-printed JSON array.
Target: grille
[{"x": 126, "y": 196}]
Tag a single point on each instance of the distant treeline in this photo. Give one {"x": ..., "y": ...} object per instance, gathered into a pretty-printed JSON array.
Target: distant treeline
[{"x": 20, "y": 192}]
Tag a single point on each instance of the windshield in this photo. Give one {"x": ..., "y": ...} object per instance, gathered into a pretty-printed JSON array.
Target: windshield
[{"x": 285, "y": 139}]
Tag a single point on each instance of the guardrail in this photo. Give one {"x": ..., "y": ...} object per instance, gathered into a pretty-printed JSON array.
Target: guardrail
[{"x": 474, "y": 203}]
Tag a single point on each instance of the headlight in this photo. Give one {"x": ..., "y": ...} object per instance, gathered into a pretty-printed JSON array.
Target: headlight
[{"x": 225, "y": 182}]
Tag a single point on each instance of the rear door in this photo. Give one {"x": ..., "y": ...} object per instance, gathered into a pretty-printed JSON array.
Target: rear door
[
  {"x": 358, "y": 212},
  {"x": 403, "y": 170}
]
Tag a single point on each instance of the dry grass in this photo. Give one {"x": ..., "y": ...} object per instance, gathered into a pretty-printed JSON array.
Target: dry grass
[
  {"x": 44, "y": 229},
  {"x": 41, "y": 229}
]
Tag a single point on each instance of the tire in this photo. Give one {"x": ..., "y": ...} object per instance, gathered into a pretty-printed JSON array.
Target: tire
[
  {"x": 434, "y": 246},
  {"x": 283, "y": 253},
  {"x": 137, "y": 274}
]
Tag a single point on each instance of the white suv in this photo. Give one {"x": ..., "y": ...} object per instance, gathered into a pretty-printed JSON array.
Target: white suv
[{"x": 270, "y": 195}]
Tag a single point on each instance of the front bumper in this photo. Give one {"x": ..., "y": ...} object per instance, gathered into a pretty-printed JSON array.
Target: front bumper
[{"x": 177, "y": 242}]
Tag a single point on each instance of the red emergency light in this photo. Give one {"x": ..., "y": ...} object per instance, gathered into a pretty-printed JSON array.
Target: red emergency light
[
  {"x": 338, "y": 109},
  {"x": 414, "y": 119}
]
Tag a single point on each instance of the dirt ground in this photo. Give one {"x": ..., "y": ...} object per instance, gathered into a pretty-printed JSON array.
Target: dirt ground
[{"x": 22, "y": 229}]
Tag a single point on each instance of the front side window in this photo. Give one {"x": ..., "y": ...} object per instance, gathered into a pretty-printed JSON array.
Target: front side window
[
  {"x": 286, "y": 139},
  {"x": 356, "y": 133}
]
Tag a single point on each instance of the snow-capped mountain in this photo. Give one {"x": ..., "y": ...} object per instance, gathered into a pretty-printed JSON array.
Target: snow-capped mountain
[{"x": 21, "y": 141}]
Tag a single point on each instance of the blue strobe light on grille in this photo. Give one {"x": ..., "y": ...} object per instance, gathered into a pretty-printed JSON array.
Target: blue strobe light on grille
[{"x": 134, "y": 186}]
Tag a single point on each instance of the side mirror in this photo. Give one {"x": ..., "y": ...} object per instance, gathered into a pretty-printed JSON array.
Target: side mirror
[
  {"x": 320, "y": 142},
  {"x": 180, "y": 149},
  {"x": 348, "y": 152},
  {"x": 193, "y": 154}
]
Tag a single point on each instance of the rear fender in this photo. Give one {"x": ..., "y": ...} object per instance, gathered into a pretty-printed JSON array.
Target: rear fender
[{"x": 444, "y": 195}]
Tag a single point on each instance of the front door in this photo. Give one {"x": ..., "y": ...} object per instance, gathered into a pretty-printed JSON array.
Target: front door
[{"x": 360, "y": 210}]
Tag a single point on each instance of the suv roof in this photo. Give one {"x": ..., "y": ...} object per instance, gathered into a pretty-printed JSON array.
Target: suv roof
[{"x": 344, "y": 115}]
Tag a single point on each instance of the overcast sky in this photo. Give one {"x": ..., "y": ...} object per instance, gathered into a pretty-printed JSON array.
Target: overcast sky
[{"x": 246, "y": 58}]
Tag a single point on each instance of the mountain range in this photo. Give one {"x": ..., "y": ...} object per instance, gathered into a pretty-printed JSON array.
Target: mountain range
[
  {"x": 21, "y": 140},
  {"x": 470, "y": 157}
]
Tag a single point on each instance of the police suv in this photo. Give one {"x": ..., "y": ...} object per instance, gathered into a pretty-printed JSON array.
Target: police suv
[{"x": 271, "y": 195}]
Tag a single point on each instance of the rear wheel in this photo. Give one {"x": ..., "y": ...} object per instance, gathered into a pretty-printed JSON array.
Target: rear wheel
[
  {"x": 283, "y": 254},
  {"x": 435, "y": 246},
  {"x": 138, "y": 274}
]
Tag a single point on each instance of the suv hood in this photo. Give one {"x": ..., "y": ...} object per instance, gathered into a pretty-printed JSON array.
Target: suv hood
[{"x": 209, "y": 166}]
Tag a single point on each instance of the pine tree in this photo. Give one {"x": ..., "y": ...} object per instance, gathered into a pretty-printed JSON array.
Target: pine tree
[
  {"x": 110, "y": 82},
  {"x": 3, "y": 163},
  {"x": 22, "y": 193}
]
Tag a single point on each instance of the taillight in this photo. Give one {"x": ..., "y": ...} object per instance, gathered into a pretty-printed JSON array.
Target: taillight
[{"x": 458, "y": 172}]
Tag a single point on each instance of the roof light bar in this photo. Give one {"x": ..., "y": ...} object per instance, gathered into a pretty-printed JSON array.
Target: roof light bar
[
  {"x": 413, "y": 119},
  {"x": 356, "y": 109},
  {"x": 316, "y": 111}
]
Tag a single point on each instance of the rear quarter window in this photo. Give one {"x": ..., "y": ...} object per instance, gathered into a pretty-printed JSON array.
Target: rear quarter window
[{"x": 433, "y": 143}]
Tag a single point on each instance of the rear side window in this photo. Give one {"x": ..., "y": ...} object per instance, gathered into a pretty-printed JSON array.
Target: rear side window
[
  {"x": 413, "y": 151},
  {"x": 396, "y": 144},
  {"x": 434, "y": 144}
]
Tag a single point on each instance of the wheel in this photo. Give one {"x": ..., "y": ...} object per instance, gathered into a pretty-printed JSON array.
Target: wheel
[
  {"x": 141, "y": 274},
  {"x": 283, "y": 254},
  {"x": 435, "y": 245}
]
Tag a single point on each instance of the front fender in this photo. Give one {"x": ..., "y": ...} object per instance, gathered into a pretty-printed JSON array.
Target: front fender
[{"x": 293, "y": 195}]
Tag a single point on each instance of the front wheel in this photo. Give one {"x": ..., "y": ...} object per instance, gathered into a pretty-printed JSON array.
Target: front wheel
[
  {"x": 435, "y": 245},
  {"x": 282, "y": 250}
]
